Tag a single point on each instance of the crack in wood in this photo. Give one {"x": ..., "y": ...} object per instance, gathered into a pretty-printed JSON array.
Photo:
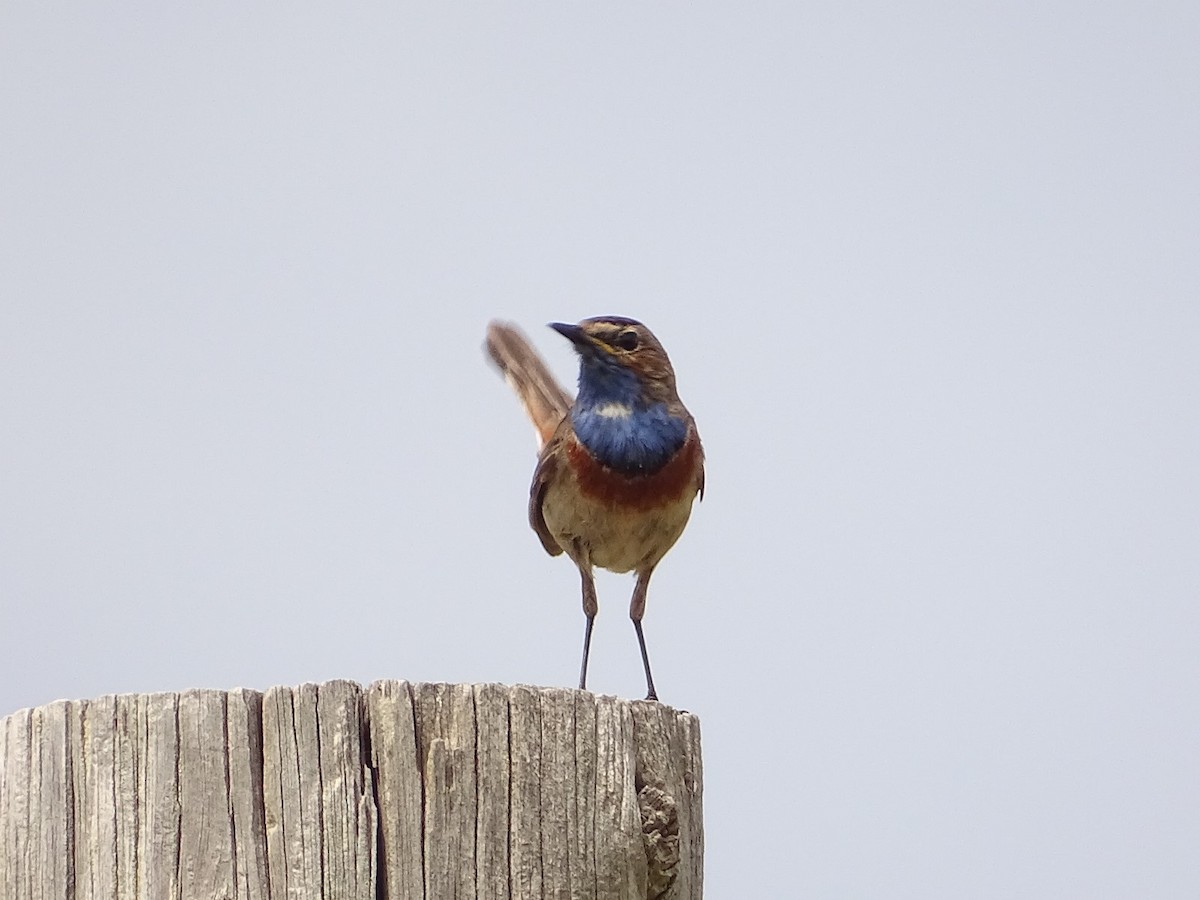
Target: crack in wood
[{"x": 394, "y": 792}]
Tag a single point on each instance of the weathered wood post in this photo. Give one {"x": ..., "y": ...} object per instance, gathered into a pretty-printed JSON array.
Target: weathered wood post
[{"x": 396, "y": 792}]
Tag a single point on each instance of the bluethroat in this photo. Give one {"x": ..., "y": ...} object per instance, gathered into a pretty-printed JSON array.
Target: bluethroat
[{"x": 619, "y": 466}]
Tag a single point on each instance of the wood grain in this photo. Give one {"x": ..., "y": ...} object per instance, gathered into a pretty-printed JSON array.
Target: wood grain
[{"x": 401, "y": 791}]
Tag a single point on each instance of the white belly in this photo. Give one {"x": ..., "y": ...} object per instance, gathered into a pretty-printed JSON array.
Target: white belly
[{"x": 613, "y": 537}]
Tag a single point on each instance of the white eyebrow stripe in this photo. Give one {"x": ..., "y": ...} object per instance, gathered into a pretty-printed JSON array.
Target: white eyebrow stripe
[{"x": 614, "y": 411}]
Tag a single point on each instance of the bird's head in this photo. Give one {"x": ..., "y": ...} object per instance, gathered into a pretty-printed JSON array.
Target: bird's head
[{"x": 620, "y": 362}]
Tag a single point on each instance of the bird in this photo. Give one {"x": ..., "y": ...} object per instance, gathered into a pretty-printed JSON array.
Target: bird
[{"x": 619, "y": 466}]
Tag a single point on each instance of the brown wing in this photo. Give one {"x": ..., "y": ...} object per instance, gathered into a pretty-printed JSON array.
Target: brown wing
[
  {"x": 545, "y": 401},
  {"x": 547, "y": 470}
]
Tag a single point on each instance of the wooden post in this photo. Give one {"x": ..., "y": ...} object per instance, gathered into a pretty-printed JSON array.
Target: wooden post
[{"x": 402, "y": 791}]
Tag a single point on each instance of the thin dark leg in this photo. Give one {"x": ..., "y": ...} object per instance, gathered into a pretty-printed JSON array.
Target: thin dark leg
[
  {"x": 589, "y": 610},
  {"x": 637, "y": 608},
  {"x": 651, "y": 694},
  {"x": 587, "y": 644}
]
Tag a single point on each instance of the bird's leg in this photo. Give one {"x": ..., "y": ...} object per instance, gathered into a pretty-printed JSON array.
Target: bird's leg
[
  {"x": 589, "y": 610},
  {"x": 637, "y": 608}
]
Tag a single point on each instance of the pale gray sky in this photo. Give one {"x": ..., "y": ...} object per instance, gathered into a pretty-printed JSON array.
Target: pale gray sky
[{"x": 930, "y": 278}]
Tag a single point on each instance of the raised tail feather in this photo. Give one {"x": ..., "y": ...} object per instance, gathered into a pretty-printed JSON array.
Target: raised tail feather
[{"x": 545, "y": 402}]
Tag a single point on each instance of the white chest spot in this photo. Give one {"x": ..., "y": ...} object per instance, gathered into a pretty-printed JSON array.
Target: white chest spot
[{"x": 614, "y": 411}]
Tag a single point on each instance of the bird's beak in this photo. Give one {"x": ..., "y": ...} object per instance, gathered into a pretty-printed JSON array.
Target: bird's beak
[{"x": 573, "y": 333}]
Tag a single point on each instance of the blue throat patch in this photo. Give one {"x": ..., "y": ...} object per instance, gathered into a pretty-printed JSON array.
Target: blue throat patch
[{"x": 639, "y": 442}]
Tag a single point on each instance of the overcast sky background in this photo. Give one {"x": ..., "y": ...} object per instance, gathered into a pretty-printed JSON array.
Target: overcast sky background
[{"x": 930, "y": 278}]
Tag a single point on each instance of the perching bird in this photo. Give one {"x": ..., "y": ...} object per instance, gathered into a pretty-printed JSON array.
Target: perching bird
[{"x": 619, "y": 466}]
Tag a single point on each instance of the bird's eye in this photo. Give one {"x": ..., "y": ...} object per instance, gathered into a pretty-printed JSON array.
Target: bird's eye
[{"x": 627, "y": 340}]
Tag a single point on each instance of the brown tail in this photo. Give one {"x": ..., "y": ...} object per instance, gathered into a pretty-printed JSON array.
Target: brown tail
[{"x": 545, "y": 402}]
